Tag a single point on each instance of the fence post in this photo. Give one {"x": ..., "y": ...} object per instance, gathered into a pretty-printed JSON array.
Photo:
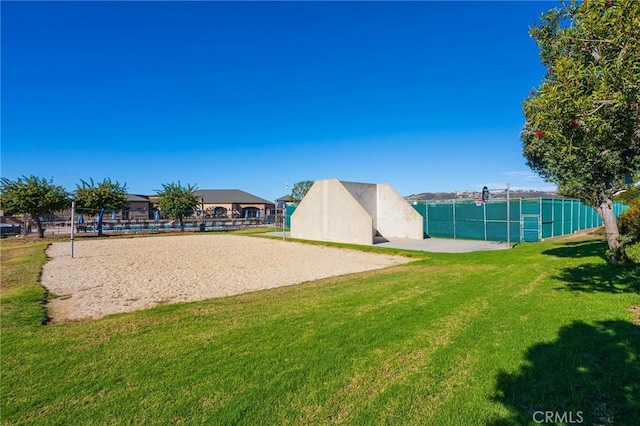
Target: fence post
[
  {"x": 426, "y": 215},
  {"x": 579, "y": 208},
  {"x": 571, "y": 219},
  {"x": 562, "y": 220},
  {"x": 541, "y": 218},
  {"x": 454, "y": 219},
  {"x": 484, "y": 218},
  {"x": 553, "y": 216},
  {"x": 540, "y": 228},
  {"x": 586, "y": 218},
  {"x": 521, "y": 223},
  {"x": 508, "y": 219}
]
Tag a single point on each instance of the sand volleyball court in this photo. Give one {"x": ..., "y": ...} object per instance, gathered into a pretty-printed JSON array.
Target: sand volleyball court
[{"x": 120, "y": 275}]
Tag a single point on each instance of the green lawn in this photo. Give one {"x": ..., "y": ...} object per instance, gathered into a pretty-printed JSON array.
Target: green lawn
[{"x": 449, "y": 339}]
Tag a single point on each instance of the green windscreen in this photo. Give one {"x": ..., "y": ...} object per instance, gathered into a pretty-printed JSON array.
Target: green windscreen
[{"x": 530, "y": 219}]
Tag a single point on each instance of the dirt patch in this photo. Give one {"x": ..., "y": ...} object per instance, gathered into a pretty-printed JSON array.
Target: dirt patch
[
  {"x": 593, "y": 233},
  {"x": 635, "y": 314},
  {"x": 121, "y": 275}
]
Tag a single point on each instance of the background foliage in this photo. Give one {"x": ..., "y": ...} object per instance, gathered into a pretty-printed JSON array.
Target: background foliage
[
  {"x": 582, "y": 126},
  {"x": 300, "y": 189},
  {"x": 32, "y": 196},
  {"x": 177, "y": 201}
]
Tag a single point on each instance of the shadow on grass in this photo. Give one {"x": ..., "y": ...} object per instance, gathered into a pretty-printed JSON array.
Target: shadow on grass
[
  {"x": 591, "y": 278},
  {"x": 580, "y": 249},
  {"x": 590, "y": 373},
  {"x": 594, "y": 277}
]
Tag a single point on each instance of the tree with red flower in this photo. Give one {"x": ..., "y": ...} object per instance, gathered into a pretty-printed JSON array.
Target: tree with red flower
[{"x": 594, "y": 53}]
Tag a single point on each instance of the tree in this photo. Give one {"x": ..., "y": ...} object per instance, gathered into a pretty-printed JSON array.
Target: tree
[
  {"x": 300, "y": 189},
  {"x": 34, "y": 197},
  {"x": 177, "y": 201},
  {"x": 582, "y": 128},
  {"x": 107, "y": 195}
]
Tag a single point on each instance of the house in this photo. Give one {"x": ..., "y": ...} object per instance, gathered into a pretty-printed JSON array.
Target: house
[
  {"x": 229, "y": 203},
  {"x": 140, "y": 207},
  {"x": 284, "y": 201}
]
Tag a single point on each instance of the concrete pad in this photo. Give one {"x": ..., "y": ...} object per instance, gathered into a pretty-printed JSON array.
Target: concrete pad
[
  {"x": 434, "y": 245},
  {"x": 440, "y": 245}
]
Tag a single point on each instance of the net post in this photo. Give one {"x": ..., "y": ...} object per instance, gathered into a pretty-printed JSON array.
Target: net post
[
  {"x": 284, "y": 214},
  {"x": 73, "y": 213}
]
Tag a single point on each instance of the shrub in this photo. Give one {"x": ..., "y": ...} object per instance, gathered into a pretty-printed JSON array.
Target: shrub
[
  {"x": 629, "y": 222},
  {"x": 632, "y": 252}
]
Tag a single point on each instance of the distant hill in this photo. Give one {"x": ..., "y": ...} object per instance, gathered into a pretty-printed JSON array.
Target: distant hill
[{"x": 474, "y": 195}]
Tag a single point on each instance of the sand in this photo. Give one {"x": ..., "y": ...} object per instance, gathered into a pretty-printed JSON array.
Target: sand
[{"x": 122, "y": 275}]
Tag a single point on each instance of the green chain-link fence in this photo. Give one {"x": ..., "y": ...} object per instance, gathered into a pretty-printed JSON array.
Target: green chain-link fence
[
  {"x": 530, "y": 219},
  {"x": 287, "y": 218}
]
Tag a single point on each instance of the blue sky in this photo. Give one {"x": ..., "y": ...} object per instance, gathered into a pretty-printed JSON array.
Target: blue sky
[{"x": 425, "y": 96}]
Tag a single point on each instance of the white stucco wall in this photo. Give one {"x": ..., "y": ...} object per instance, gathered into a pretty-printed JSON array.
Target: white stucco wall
[
  {"x": 330, "y": 213},
  {"x": 396, "y": 218},
  {"x": 366, "y": 195},
  {"x": 351, "y": 212}
]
